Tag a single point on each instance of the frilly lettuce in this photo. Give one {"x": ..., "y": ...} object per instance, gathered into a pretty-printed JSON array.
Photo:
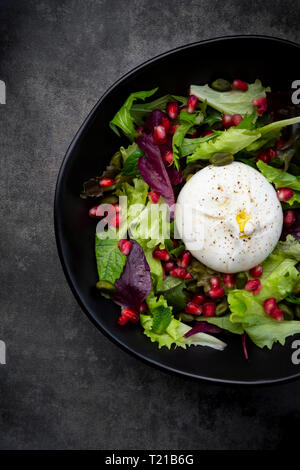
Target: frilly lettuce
[
  {"x": 163, "y": 328},
  {"x": 233, "y": 141},
  {"x": 174, "y": 335},
  {"x": 232, "y": 102}
]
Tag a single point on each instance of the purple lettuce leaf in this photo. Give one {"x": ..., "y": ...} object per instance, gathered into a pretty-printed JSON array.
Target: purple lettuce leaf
[
  {"x": 203, "y": 327},
  {"x": 294, "y": 230},
  {"x": 153, "y": 170},
  {"x": 135, "y": 282},
  {"x": 174, "y": 175}
]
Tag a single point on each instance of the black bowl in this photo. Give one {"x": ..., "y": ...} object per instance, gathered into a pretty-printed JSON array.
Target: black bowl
[{"x": 275, "y": 62}]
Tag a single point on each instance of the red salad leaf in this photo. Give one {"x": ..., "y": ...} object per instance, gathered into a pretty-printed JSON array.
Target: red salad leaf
[
  {"x": 153, "y": 170},
  {"x": 203, "y": 327},
  {"x": 135, "y": 282}
]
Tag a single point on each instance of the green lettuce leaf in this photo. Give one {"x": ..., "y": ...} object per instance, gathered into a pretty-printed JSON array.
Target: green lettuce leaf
[
  {"x": 271, "y": 133},
  {"x": 279, "y": 178},
  {"x": 190, "y": 145},
  {"x": 152, "y": 224},
  {"x": 232, "y": 141},
  {"x": 278, "y": 280},
  {"x": 232, "y": 102},
  {"x": 267, "y": 333},
  {"x": 187, "y": 121},
  {"x": 154, "y": 265},
  {"x": 123, "y": 118},
  {"x": 110, "y": 260},
  {"x": 136, "y": 199}
]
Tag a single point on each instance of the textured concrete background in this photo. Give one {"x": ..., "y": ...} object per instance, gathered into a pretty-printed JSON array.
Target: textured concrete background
[{"x": 65, "y": 385}]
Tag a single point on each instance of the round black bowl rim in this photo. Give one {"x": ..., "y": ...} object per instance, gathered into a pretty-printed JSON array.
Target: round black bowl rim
[{"x": 57, "y": 227}]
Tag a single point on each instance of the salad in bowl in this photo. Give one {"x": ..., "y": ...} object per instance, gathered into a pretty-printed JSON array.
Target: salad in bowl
[{"x": 197, "y": 218}]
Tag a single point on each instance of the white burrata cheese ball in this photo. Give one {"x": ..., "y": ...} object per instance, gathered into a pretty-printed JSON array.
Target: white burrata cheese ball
[{"x": 229, "y": 217}]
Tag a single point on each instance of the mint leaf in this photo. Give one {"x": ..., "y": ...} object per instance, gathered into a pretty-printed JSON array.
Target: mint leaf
[
  {"x": 110, "y": 260},
  {"x": 131, "y": 164},
  {"x": 162, "y": 317}
]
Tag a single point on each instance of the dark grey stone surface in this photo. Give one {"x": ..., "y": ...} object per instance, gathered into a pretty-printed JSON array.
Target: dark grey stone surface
[{"x": 65, "y": 386}]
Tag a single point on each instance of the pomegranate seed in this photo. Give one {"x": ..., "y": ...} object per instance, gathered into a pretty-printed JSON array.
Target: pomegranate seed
[
  {"x": 165, "y": 123},
  {"x": 116, "y": 207},
  {"x": 173, "y": 129},
  {"x": 125, "y": 246},
  {"x": 261, "y": 104},
  {"x": 192, "y": 308},
  {"x": 198, "y": 299},
  {"x": 140, "y": 129},
  {"x": 216, "y": 293},
  {"x": 143, "y": 308},
  {"x": 256, "y": 271},
  {"x": 192, "y": 103},
  {"x": 257, "y": 290},
  {"x": 208, "y": 309},
  {"x": 159, "y": 135},
  {"x": 116, "y": 220},
  {"x": 270, "y": 305},
  {"x": 175, "y": 243},
  {"x": 95, "y": 213},
  {"x": 272, "y": 153},
  {"x": 154, "y": 196},
  {"x": 236, "y": 119},
  {"x": 107, "y": 182},
  {"x": 277, "y": 314},
  {"x": 252, "y": 285},
  {"x": 128, "y": 315},
  {"x": 289, "y": 218},
  {"x": 173, "y": 109},
  {"x": 162, "y": 255},
  {"x": 205, "y": 134},
  {"x": 280, "y": 143},
  {"x": 122, "y": 320},
  {"x": 227, "y": 121},
  {"x": 184, "y": 260},
  {"x": 179, "y": 272},
  {"x": 229, "y": 280},
  {"x": 263, "y": 156},
  {"x": 168, "y": 157},
  {"x": 215, "y": 282},
  {"x": 240, "y": 85},
  {"x": 169, "y": 266},
  {"x": 188, "y": 276},
  {"x": 284, "y": 194}
]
